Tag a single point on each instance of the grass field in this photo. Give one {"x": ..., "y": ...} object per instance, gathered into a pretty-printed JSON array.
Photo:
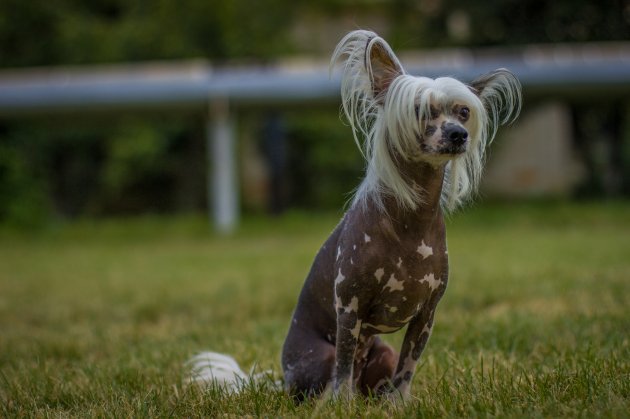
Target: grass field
[{"x": 98, "y": 318}]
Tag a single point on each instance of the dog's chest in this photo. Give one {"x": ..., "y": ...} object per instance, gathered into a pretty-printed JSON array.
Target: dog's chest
[{"x": 389, "y": 275}]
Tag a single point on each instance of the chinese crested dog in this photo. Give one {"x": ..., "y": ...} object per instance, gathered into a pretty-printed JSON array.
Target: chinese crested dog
[{"x": 385, "y": 266}]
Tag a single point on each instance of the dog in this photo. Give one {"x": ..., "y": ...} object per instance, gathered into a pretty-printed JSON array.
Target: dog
[{"x": 385, "y": 265}]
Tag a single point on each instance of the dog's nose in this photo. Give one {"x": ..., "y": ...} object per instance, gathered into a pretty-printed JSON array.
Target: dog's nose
[{"x": 456, "y": 134}]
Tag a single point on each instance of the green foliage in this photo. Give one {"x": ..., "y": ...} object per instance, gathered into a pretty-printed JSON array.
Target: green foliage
[
  {"x": 98, "y": 318},
  {"x": 325, "y": 164},
  {"x": 28, "y": 33},
  {"x": 68, "y": 168},
  {"x": 73, "y": 168},
  {"x": 77, "y": 32},
  {"x": 135, "y": 152},
  {"x": 23, "y": 201},
  {"x": 508, "y": 22}
]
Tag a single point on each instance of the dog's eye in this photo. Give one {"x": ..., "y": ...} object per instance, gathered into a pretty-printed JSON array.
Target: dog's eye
[
  {"x": 417, "y": 109},
  {"x": 464, "y": 113}
]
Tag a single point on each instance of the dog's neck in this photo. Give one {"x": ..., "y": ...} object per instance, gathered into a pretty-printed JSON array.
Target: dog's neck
[{"x": 428, "y": 179}]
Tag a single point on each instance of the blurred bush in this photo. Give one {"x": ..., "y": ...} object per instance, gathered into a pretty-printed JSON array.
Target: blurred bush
[
  {"x": 40, "y": 32},
  {"x": 67, "y": 168},
  {"x": 509, "y": 22},
  {"x": 70, "y": 167},
  {"x": 324, "y": 162},
  {"x": 24, "y": 202}
]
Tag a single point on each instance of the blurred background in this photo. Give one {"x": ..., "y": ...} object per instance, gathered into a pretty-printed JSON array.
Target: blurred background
[{"x": 109, "y": 107}]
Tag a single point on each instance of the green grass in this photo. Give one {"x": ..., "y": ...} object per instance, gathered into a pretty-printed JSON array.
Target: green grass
[{"x": 97, "y": 318}]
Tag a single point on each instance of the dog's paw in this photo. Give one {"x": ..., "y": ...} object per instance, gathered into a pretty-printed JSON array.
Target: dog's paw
[
  {"x": 392, "y": 395},
  {"x": 395, "y": 398}
]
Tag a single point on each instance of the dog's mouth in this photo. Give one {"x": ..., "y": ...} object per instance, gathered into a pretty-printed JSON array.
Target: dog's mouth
[
  {"x": 443, "y": 150},
  {"x": 453, "y": 149},
  {"x": 447, "y": 151}
]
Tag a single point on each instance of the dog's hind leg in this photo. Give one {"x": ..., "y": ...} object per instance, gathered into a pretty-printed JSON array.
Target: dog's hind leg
[
  {"x": 308, "y": 362},
  {"x": 379, "y": 367}
]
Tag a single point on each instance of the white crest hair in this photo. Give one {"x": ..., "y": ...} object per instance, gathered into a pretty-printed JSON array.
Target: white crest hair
[{"x": 385, "y": 124}]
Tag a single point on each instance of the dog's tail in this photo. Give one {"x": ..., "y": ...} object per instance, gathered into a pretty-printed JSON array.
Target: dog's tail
[{"x": 212, "y": 369}]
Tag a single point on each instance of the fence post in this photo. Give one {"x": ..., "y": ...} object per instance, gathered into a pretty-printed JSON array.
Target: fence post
[{"x": 222, "y": 184}]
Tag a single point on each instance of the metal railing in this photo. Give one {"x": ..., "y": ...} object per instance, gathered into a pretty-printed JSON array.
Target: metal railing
[{"x": 566, "y": 71}]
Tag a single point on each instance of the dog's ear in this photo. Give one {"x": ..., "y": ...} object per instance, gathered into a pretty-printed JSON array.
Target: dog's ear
[
  {"x": 382, "y": 65},
  {"x": 500, "y": 93}
]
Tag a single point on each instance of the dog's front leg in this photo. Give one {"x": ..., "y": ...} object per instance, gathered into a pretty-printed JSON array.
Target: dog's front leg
[
  {"x": 348, "y": 330},
  {"x": 414, "y": 342}
]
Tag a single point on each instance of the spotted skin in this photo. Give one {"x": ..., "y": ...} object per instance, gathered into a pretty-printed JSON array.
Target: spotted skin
[
  {"x": 385, "y": 266},
  {"x": 379, "y": 285}
]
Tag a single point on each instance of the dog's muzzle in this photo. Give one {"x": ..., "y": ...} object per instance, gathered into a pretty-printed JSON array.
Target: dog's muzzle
[{"x": 455, "y": 138}]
